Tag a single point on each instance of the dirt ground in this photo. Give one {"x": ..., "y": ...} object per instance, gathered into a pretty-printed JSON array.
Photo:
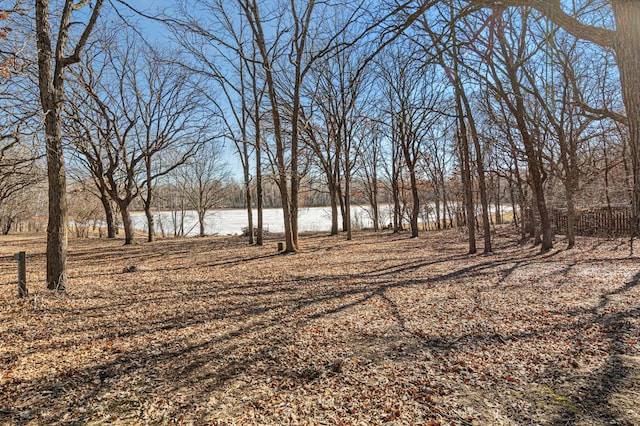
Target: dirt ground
[{"x": 379, "y": 330}]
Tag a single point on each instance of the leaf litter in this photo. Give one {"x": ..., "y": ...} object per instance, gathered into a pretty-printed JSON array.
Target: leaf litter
[{"x": 379, "y": 330}]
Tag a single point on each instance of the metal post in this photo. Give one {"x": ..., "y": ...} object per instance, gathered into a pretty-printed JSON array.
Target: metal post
[{"x": 21, "y": 257}]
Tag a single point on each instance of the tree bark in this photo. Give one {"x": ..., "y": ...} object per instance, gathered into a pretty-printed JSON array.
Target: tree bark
[
  {"x": 374, "y": 203},
  {"x": 127, "y": 224},
  {"x": 397, "y": 216},
  {"x": 245, "y": 161},
  {"x": 258, "y": 147},
  {"x": 57, "y": 231},
  {"x": 627, "y": 47},
  {"x": 415, "y": 208},
  {"x": 438, "y": 225},
  {"x": 571, "y": 217},
  {"x": 341, "y": 198},
  {"x": 497, "y": 201},
  {"x": 108, "y": 212},
  {"x": 7, "y": 226},
  {"x": 333, "y": 197},
  {"x": 201, "y": 215},
  {"x": 151, "y": 231},
  {"x": 512, "y": 196},
  {"x": 347, "y": 196},
  {"x": 259, "y": 196},
  {"x": 51, "y": 79},
  {"x": 151, "y": 226},
  {"x": 446, "y": 211},
  {"x": 51, "y": 96},
  {"x": 247, "y": 191}
]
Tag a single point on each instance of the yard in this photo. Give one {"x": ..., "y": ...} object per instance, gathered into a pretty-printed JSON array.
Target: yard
[{"x": 379, "y": 330}]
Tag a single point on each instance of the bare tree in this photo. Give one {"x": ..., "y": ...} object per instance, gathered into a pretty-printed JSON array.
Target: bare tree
[
  {"x": 53, "y": 62},
  {"x": 562, "y": 119},
  {"x": 504, "y": 54},
  {"x": 322, "y": 135},
  {"x": 19, "y": 170},
  {"x": 438, "y": 159},
  {"x": 258, "y": 92},
  {"x": 416, "y": 95},
  {"x": 340, "y": 95},
  {"x": 624, "y": 40},
  {"x": 288, "y": 194},
  {"x": 307, "y": 43},
  {"x": 202, "y": 179},
  {"x": 370, "y": 162},
  {"x": 87, "y": 130},
  {"x": 223, "y": 50},
  {"x": 140, "y": 108},
  {"x": 171, "y": 118}
]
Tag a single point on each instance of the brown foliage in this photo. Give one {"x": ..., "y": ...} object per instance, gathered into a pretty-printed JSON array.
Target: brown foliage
[{"x": 378, "y": 330}]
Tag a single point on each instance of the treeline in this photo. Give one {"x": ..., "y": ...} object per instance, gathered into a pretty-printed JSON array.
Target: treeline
[{"x": 465, "y": 104}]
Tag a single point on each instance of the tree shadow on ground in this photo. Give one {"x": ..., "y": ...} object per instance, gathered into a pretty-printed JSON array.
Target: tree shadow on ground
[
  {"x": 595, "y": 399},
  {"x": 233, "y": 340}
]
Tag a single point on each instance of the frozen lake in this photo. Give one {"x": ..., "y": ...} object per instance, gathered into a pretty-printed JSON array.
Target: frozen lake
[{"x": 232, "y": 221}]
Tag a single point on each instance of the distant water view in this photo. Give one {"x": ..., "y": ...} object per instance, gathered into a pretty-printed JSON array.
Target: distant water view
[{"x": 232, "y": 221}]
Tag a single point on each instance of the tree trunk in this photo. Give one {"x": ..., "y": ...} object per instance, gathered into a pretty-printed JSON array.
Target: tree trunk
[
  {"x": 605, "y": 156},
  {"x": 347, "y": 198},
  {"x": 127, "y": 224},
  {"x": 568, "y": 158},
  {"x": 512, "y": 196},
  {"x": 295, "y": 189},
  {"x": 151, "y": 227},
  {"x": 51, "y": 96},
  {"x": 7, "y": 226},
  {"x": 484, "y": 199},
  {"x": 437, "y": 206},
  {"x": 108, "y": 213},
  {"x": 445, "y": 204},
  {"x": 57, "y": 232},
  {"x": 290, "y": 245},
  {"x": 534, "y": 214},
  {"x": 247, "y": 190},
  {"x": 465, "y": 159},
  {"x": 497, "y": 202},
  {"x": 201, "y": 215},
  {"x": 259, "y": 196},
  {"x": 151, "y": 231},
  {"x": 253, "y": 14},
  {"x": 374, "y": 205},
  {"x": 571, "y": 217},
  {"x": 258, "y": 147},
  {"x": 522, "y": 198},
  {"x": 627, "y": 47},
  {"x": 343, "y": 211},
  {"x": 397, "y": 217},
  {"x": 51, "y": 79},
  {"x": 333, "y": 197},
  {"x": 415, "y": 208},
  {"x": 246, "y": 174},
  {"x": 541, "y": 205}
]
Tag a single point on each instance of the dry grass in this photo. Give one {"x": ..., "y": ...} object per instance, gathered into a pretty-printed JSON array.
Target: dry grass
[{"x": 379, "y": 330}]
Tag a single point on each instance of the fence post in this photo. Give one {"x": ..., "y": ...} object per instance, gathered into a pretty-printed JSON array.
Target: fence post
[{"x": 21, "y": 257}]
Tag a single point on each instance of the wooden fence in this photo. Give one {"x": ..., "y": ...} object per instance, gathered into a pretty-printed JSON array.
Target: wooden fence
[{"x": 599, "y": 222}]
